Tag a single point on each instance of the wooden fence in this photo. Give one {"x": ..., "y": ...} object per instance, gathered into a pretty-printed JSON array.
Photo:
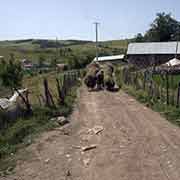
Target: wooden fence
[
  {"x": 64, "y": 84},
  {"x": 162, "y": 86}
]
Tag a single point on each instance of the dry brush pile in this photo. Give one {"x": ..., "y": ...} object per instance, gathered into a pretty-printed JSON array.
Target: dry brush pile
[{"x": 95, "y": 71}]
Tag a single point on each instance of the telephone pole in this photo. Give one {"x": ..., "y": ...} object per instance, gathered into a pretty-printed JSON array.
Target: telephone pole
[
  {"x": 56, "y": 47},
  {"x": 96, "y": 26}
]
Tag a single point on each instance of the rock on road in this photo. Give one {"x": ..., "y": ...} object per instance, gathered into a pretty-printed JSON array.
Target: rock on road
[{"x": 134, "y": 143}]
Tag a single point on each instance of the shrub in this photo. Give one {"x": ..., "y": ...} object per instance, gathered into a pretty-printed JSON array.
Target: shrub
[{"x": 11, "y": 73}]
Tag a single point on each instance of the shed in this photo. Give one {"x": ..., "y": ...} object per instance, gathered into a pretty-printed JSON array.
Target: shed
[{"x": 152, "y": 53}]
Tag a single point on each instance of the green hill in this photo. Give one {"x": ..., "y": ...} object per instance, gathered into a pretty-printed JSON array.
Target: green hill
[{"x": 34, "y": 48}]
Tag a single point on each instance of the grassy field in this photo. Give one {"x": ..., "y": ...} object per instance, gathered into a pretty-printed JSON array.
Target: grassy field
[
  {"x": 31, "y": 49},
  {"x": 36, "y": 88}
]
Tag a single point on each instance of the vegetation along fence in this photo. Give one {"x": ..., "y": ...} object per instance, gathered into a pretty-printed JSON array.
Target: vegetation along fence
[
  {"x": 48, "y": 96},
  {"x": 159, "y": 86},
  {"x": 64, "y": 83}
]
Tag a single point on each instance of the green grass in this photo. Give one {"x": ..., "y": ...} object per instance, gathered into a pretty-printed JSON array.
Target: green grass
[
  {"x": 171, "y": 113},
  {"x": 117, "y": 43},
  {"x": 173, "y": 80}
]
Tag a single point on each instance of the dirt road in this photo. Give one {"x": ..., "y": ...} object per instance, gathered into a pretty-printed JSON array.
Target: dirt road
[{"x": 135, "y": 144}]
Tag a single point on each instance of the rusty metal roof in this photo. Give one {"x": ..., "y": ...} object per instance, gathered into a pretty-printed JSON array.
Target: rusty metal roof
[{"x": 153, "y": 48}]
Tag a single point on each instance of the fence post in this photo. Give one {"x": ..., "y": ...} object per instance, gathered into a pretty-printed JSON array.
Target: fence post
[
  {"x": 172, "y": 84},
  {"x": 178, "y": 93},
  {"x": 167, "y": 88},
  {"x": 48, "y": 96},
  {"x": 144, "y": 81}
]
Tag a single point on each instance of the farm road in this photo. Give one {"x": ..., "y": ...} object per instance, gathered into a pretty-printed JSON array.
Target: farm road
[{"x": 135, "y": 144}]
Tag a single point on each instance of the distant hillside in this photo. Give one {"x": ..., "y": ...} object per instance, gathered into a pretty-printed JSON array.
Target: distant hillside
[
  {"x": 41, "y": 43},
  {"x": 46, "y": 43},
  {"x": 34, "y": 48},
  {"x": 117, "y": 43}
]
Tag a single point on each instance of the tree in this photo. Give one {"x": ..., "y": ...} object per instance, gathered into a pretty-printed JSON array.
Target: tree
[
  {"x": 163, "y": 28},
  {"x": 139, "y": 38},
  {"x": 11, "y": 73}
]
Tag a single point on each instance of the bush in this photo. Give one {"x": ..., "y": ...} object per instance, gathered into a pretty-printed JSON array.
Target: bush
[
  {"x": 19, "y": 130},
  {"x": 11, "y": 73}
]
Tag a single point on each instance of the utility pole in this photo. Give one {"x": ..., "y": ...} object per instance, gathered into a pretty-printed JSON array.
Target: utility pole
[
  {"x": 56, "y": 47},
  {"x": 96, "y": 26}
]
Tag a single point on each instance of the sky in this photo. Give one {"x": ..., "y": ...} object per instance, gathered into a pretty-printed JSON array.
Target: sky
[{"x": 73, "y": 19}]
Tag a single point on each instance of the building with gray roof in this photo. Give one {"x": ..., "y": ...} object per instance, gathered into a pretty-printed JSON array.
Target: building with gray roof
[{"x": 152, "y": 53}]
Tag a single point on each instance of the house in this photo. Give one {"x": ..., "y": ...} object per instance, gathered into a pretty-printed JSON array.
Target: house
[
  {"x": 152, "y": 53},
  {"x": 112, "y": 59},
  {"x": 26, "y": 64}
]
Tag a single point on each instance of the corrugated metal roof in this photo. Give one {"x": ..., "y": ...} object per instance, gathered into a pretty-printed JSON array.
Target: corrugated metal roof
[
  {"x": 110, "y": 58},
  {"x": 153, "y": 48}
]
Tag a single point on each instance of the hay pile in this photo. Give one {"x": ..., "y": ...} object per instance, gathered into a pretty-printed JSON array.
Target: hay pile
[
  {"x": 90, "y": 78},
  {"x": 108, "y": 77},
  {"x": 92, "y": 71}
]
